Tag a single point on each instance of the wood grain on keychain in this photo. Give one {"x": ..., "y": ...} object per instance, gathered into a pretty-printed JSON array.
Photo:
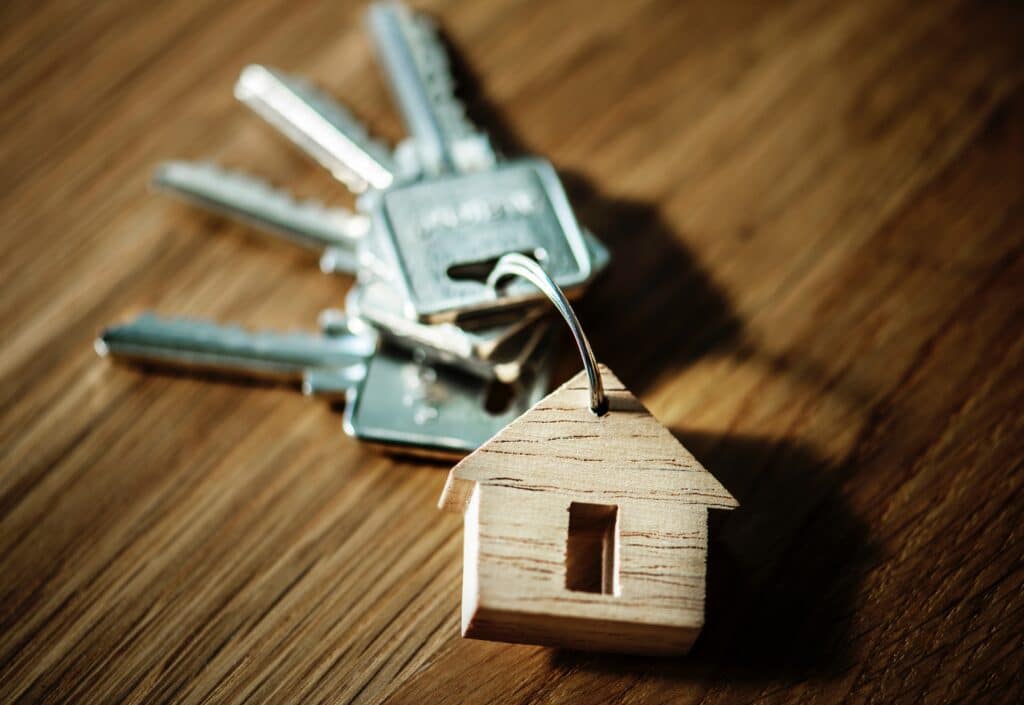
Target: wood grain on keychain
[
  {"x": 585, "y": 531},
  {"x": 815, "y": 214}
]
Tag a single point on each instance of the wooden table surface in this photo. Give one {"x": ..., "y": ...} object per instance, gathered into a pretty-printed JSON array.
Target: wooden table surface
[{"x": 816, "y": 215}]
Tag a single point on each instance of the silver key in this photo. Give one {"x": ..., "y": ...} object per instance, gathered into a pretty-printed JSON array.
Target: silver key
[
  {"x": 200, "y": 345},
  {"x": 317, "y": 125},
  {"x": 417, "y": 68},
  {"x": 333, "y": 232},
  {"x": 413, "y": 407},
  {"x": 442, "y": 236}
]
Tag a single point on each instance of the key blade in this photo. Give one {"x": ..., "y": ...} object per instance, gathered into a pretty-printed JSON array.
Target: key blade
[
  {"x": 254, "y": 202},
  {"x": 318, "y": 125},
  {"x": 201, "y": 345},
  {"x": 419, "y": 73}
]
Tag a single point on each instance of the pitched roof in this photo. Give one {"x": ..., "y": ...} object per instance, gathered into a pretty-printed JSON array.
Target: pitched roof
[{"x": 560, "y": 445}]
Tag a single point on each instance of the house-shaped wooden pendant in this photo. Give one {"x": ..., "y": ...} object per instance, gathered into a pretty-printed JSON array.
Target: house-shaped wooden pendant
[{"x": 585, "y": 531}]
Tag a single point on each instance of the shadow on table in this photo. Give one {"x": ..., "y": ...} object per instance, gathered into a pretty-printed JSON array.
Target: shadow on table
[
  {"x": 783, "y": 571},
  {"x": 657, "y": 309}
]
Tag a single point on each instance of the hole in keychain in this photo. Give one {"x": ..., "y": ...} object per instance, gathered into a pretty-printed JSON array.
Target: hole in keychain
[
  {"x": 479, "y": 270},
  {"x": 515, "y": 264},
  {"x": 591, "y": 552}
]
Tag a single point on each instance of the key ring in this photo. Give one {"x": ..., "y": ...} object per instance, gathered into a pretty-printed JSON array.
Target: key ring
[{"x": 515, "y": 264}]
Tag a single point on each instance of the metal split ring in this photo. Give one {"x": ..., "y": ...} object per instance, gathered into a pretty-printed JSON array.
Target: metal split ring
[{"x": 518, "y": 265}]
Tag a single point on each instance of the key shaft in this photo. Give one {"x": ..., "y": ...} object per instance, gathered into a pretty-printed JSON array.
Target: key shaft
[
  {"x": 240, "y": 197},
  {"x": 318, "y": 125},
  {"x": 418, "y": 71},
  {"x": 201, "y": 345}
]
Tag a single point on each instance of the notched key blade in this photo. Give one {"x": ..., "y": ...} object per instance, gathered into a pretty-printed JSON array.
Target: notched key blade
[
  {"x": 206, "y": 346},
  {"x": 254, "y": 202},
  {"x": 318, "y": 125},
  {"x": 417, "y": 67}
]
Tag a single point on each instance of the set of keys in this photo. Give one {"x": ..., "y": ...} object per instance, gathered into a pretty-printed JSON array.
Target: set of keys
[{"x": 424, "y": 340}]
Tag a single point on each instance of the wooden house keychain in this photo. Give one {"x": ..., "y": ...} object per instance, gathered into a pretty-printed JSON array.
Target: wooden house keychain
[{"x": 585, "y": 519}]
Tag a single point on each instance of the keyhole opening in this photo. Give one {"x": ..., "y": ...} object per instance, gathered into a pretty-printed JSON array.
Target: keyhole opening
[
  {"x": 592, "y": 550},
  {"x": 479, "y": 270}
]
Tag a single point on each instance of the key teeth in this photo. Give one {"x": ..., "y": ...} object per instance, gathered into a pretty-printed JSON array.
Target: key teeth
[
  {"x": 434, "y": 67},
  {"x": 435, "y": 70},
  {"x": 338, "y": 114},
  {"x": 254, "y": 82},
  {"x": 180, "y": 172},
  {"x": 193, "y": 178}
]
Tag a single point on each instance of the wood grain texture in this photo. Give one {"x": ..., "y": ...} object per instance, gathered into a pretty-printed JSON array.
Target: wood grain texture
[
  {"x": 815, "y": 210},
  {"x": 584, "y": 531}
]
